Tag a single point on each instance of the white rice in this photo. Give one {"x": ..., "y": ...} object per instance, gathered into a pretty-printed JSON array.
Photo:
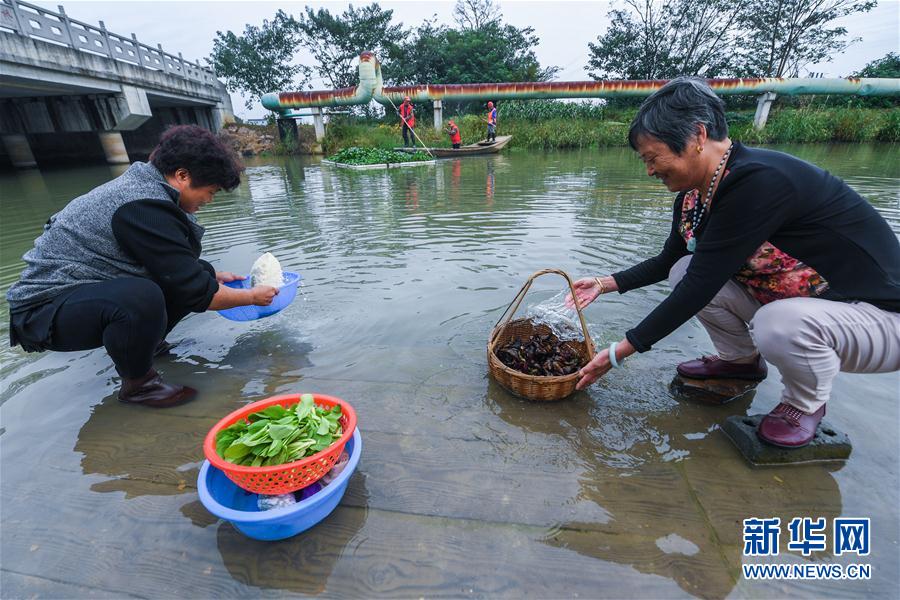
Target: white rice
[{"x": 267, "y": 271}]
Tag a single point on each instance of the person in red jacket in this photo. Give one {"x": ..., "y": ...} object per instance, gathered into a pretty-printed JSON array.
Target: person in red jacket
[
  {"x": 455, "y": 137},
  {"x": 408, "y": 122}
]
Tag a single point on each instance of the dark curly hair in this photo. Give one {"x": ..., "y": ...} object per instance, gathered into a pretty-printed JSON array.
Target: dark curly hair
[{"x": 205, "y": 156}]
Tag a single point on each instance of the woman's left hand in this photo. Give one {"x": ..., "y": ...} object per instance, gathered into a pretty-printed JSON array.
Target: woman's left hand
[
  {"x": 594, "y": 370},
  {"x": 226, "y": 276}
]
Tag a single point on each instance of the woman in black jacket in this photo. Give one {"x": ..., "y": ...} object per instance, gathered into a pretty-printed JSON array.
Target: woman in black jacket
[{"x": 780, "y": 260}]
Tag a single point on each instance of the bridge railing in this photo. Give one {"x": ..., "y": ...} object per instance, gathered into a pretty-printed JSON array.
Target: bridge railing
[{"x": 33, "y": 21}]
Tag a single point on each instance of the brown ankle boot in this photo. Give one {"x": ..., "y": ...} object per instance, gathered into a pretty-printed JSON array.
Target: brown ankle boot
[{"x": 151, "y": 390}]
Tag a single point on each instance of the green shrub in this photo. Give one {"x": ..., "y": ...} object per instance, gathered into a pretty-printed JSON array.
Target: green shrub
[{"x": 889, "y": 127}]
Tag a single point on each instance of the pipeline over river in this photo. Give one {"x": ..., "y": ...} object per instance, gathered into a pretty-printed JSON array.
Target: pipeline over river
[{"x": 371, "y": 87}]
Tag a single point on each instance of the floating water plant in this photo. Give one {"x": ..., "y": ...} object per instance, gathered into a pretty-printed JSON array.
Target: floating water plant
[{"x": 375, "y": 156}]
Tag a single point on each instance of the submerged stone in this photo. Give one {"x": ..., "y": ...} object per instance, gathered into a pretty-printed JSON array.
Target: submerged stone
[
  {"x": 710, "y": 391},
  {"x": 828, "y": 444}
]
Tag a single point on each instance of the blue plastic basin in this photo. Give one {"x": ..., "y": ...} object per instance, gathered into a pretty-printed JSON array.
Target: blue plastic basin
[
  {"x": 227, "y": 501},
  {"x": 285, "y": 296}
]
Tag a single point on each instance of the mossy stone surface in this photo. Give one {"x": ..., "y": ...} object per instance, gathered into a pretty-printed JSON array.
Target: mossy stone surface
[{"x": 828, "y": 444}]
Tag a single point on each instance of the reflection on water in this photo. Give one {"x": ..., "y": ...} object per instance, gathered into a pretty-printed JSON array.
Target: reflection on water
[
  {"x": 668, "y": 516},
  {"x": 405, "y": 272},
  {"x": 303, "y": 563}
]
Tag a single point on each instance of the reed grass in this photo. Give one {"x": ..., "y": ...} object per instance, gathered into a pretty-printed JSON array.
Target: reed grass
[{"x": 557, "y": 125}]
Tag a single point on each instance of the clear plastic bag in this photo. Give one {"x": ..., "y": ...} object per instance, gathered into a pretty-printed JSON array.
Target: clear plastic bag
[
  {"x": 336, "y": 469},
  {"x": 553, "y": 313},
  {"x": 269, "y": 502}
]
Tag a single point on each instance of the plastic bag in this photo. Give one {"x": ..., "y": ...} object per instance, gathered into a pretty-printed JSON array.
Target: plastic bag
[
  {"x": 269, "y": 502},
  {"x": 553, "y": 313},
  {"x": 336, "y": 469}
]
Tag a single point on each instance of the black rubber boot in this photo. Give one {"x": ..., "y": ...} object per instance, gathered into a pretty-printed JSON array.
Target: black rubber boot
[{"x": 163, "y": 348}]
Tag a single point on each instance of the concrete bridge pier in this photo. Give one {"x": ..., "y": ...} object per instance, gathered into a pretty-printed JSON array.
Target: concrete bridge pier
[
  {"x": 318, "y": 122},
  {"x": 762, "y": 109},
  {"x": 438, "y": 115},
  {"x": 19, "y": 151},
  {"x": 114, "y": 147},
  {"x": 287, "y": 129}
]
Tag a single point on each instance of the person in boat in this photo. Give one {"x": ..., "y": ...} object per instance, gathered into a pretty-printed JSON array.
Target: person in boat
[
  {"x": 781, "y": 262},
  {"x": 120, "y": 266},
  {"x": 455, "y": 137},
  {"x": 491, "y": 123},
  {"x": 408, "y": 122}
]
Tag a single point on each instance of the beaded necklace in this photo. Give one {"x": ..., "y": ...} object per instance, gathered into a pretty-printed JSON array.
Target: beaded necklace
[{"x": 699, "y": 210}]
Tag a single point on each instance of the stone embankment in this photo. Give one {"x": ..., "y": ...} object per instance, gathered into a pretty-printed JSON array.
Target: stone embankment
[{"x": 251, "y": 140}]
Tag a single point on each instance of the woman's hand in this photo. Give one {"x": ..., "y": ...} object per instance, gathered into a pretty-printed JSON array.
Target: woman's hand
[
  {"x": 226, "y": 297},
  {"x": 594, "y": 370},
  {"x": 263, "y": 294},
  {"x": 225, "y": 276},
  {"x": 600, "y": 364},
  {"x": 586, "y": 291}
]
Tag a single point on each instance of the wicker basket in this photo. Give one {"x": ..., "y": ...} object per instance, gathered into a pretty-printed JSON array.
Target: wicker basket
[{"x": 534, "y": 387}]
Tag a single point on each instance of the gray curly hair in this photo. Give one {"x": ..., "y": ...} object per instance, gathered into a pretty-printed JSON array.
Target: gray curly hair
[{"x": 672, "y": 113}]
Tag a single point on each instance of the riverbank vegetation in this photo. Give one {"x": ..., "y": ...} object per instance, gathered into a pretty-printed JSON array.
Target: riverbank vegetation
[{"x": 551, "y": 125}]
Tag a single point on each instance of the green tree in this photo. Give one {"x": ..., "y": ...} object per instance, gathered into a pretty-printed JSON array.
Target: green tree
[
  {"x": 783, "y": 36},
  {"x": 475, "y": 14},
  {"x": 495, "y": 52},
  {"x": 260, "y": 60},
  {"x": 660, "y": 39},
  {"x": 335, "y": 41},
  {"x": 886, "y": 66}
]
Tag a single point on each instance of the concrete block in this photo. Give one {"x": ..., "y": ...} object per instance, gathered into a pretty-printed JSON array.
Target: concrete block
[
  {"x": 710, "y": 391},
  {"x": 133, "y": 108},
  {"x": 829, "y": 443}
]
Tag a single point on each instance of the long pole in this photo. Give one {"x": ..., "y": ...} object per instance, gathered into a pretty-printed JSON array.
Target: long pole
[{"x": 411, "y": 128}]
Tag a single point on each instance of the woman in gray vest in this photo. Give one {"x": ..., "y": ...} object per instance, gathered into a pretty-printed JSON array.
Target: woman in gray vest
[{"x": 120, "y": 266}]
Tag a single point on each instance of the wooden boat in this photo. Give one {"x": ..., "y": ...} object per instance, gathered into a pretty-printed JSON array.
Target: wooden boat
[{"x": 482, "y": 147}]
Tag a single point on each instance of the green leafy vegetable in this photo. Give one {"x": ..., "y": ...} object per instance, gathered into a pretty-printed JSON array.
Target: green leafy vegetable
[
  {"x": 279, "y": 435},
  {"x": 376, "y": 156}
]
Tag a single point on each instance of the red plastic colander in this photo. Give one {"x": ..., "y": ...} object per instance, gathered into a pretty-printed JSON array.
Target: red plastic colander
[{"x": 289, "y": 477}]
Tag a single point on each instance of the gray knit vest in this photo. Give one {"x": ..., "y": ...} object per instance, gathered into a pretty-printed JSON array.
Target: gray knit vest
[{"x": 78, "y": 245}]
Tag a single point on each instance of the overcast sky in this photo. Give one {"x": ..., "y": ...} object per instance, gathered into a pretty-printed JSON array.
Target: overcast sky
[{"x": 564, "y": 28}]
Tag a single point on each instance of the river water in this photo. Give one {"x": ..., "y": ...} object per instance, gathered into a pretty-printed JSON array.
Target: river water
[{"x": 463, "y": 489}]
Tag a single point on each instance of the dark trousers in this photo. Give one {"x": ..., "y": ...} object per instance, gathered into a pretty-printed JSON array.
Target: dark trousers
[
  {"x": 491, "y": 132},
  {"x": 128, "y": 316},
  {"x": 407, "y": 130},
  {"x": 456, "y": 146}
]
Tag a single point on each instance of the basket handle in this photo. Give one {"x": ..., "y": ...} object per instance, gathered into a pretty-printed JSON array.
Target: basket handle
[{"x": 521, "y": 296}]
